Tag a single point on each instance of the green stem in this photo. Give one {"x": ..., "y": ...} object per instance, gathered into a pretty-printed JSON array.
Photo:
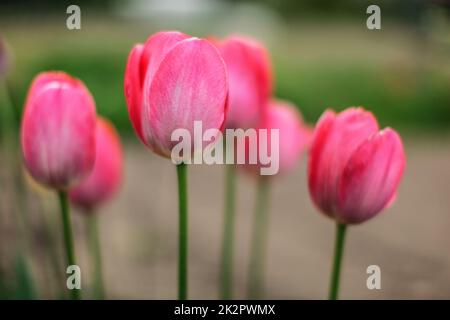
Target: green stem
[
  {"x": 338, "y": 253},
  {"x": 226, "y": 274},
  {"x": 183, "y": 232},
  {"x": 96, "y": 256},
  {"x": 55, "y": 269},
  {"x": 68, "y": 237},
  {"x": 259, "y": 241}
]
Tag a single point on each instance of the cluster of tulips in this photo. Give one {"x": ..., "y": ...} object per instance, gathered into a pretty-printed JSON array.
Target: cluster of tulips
[{"x": 172, "y": 80}]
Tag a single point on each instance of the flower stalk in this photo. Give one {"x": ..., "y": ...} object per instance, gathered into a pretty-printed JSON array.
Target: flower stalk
[
  {"x": 337, "y": 263},
  {"x": 68, "y": 237},
  {"x": 183, "y": 232},
  {"x": 259, "y": 241}
]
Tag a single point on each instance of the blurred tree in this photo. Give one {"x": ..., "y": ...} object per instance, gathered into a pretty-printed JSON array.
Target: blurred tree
[{"x": 403, "y": 9}]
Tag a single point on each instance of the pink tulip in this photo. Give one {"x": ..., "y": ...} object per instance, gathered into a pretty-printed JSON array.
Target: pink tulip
[
  {"x": 294, "y": 136},
  {"x": 58, "y": 130},
  {"x": 250, "y": 77},
  {"x": 170, "y": 82},
  {"x": 106, "y": 177},
  {"x": 354, "y": 169}
]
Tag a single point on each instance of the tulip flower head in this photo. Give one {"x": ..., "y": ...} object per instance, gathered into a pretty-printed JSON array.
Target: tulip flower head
[
  {"x": 250, "y": 80},
  {"x": 106, "y": 176},
  {"x": 171, "y": 81},
  {"x": 354, "y": 168},
  {"x": 58, "y": 130},
  {"x": 293, "y": 137}
]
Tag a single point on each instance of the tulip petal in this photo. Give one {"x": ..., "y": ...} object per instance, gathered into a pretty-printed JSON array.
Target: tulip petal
[
  {"x": 133, "y": 89},
  {"x": 293, "y": 137},
  {"x": 106, "y": 176},
  {"x": 371, "y": 177},
  {"x": 45, "y": 78},
  {"x": 189, "y": 85},
  {"x": 250, "y": 80},
  {"x": 155, "y": 49},
  {"x": 287, "y": 119},
  {"x": 334, "y": 140},
  {"x": 143, "y": 61}
]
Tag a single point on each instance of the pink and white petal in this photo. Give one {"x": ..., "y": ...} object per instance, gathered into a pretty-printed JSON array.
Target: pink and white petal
[
  {"x": 371, "y": 177},
  {"x": 189, "y": 85},
  {"x": 316, "y": 180},
  {"x": 45, "y": 78},
  {"x": 155, "y": 49},
  {"x": 133, "y": 89}
]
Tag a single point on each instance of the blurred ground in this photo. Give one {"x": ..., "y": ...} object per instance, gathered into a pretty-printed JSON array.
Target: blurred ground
[{"x": 409, "y": 242}]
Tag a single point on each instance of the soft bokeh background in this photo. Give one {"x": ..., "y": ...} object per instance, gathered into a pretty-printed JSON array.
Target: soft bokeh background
[{"x": 323, "y": 56}]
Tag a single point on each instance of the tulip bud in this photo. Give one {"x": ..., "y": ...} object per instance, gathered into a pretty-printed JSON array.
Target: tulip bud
[
  {"x": 354, "y": 169},
  {"x": 250, "y": 80},
  {"x": 106, "y": 176},
  {"x": 170, "y": 82},
  {"x": 58, "y": 130},
  {"x": 293, "y": 137}
]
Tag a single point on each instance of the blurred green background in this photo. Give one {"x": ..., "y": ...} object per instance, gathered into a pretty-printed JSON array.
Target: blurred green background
[{"x": 323, "y": 54}]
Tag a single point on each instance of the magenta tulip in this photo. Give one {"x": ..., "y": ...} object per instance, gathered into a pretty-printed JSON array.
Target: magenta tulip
[
  {"x": 250, "y": 77},
  {"x": 106, "y": 176},
  {"x": 354, "y": 172},
  {"x": 354, "y": 169},
  {"x": 58, "y": 140},
  {"x": 58, "y": 130},
  {"x": 170, "y": 82}
]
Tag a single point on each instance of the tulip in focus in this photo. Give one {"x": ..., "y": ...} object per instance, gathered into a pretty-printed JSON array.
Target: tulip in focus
[
  {"x": 106, "y": 176},
  {"x": 172, "y": 81},
  {"x": 354, "y": 172},
  {"x": 250, "y": 77},
  {"x": 58, "y": 130},
  {"x": 354, "y": 168}
]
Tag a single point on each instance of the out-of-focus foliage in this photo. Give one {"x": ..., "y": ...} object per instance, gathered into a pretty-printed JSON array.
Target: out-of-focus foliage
[{"x": 399, "y": 97}]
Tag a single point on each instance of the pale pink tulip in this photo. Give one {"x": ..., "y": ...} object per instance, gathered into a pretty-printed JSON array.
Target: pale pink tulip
[
  {"x": 294, "y": 135},
  {"x": 354, "y": 169},
  {"x": 250, "y": 78},
  {"x": 170, "y": 82},
  {"x": 58, "y": 130},
  {"x": 106, "y": 176}
]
